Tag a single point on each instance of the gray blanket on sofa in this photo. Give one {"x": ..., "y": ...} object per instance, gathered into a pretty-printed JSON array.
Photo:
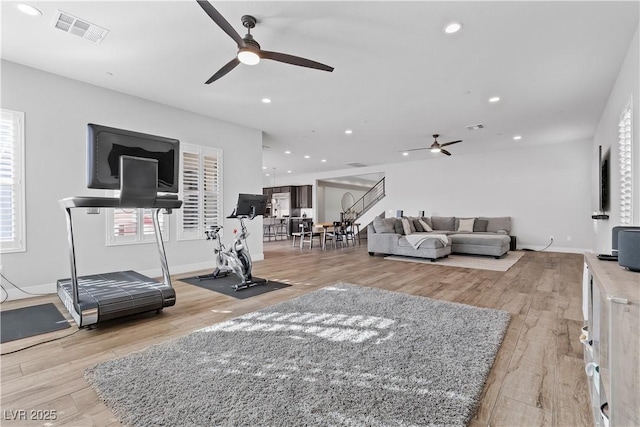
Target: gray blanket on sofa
[{"x": 416, "y": 240}]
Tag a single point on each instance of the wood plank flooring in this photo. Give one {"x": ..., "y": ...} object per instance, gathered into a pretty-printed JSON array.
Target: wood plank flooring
[{"x": 537, "y": 379}]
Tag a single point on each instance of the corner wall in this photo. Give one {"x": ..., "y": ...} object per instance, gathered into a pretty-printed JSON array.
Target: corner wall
[
  {"x": 57, "y": 111},
  {"x": 626, "y": 88}
]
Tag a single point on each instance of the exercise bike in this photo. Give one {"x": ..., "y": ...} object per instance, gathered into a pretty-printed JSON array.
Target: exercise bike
[{"x": 235, "y": 259}]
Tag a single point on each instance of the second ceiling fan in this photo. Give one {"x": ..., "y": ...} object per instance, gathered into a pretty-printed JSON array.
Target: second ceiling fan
[
  {"x": 436, "y": 147},
  {"x": 249, "y": 51}
]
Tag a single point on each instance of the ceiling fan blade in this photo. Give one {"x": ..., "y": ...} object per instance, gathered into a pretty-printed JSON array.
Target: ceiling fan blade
[
  {"x": 449, "y": 143},
  {"x": 294, "y": 60},
  {"x": 222, "y": 23},
  {"x": 445, "y": 152},
  {"x": 224, "y": 70},
  {"x": 414, "y": 149}
]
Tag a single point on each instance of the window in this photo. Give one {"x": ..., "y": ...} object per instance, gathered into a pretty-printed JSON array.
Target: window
[
  {"x": 12, "y": 204},
  {"x": 625, "y": 160},
  {"x": 126, "y": 226},
  {"x": 200, "y": 191}
]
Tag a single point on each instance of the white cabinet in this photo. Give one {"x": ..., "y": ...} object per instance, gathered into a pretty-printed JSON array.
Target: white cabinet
[{"x": 612, "y": 348}]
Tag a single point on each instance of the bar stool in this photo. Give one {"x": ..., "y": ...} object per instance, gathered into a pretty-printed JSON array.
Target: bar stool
[{"x": 280, "y": 230}]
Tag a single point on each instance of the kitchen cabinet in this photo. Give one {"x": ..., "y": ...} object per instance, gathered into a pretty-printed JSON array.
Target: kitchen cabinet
[{"x": 304, "y": 196}]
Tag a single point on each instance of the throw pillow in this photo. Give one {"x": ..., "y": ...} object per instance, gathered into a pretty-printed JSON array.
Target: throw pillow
[
  {"x": 397, "y": 225},
  {"x": 406, "y": 226},
  {"x": 413, "y": 227},
  {"x": 383, "y": 225},
  {"x": 417, "y": 225},
  {"x": 466, "y": 224},
  {"x": 425, "y": 226},
  {"x": 480, "y": 225}
]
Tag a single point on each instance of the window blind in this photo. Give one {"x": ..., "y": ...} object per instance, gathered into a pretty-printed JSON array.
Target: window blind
[{"x": 12, "y": 208}]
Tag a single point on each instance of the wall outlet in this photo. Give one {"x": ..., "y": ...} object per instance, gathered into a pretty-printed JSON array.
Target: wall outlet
[{"x": 568, "y": 238}]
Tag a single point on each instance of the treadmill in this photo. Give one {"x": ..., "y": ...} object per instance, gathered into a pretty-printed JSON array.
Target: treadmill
[{"x": 101, "y": 297}]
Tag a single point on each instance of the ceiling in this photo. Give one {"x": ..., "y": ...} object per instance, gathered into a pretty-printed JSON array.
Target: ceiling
[{"x": 398, "y": 77}]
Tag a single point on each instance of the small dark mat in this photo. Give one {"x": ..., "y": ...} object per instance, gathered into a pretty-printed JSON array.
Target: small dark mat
[
  {"x": 224, "y": 285},
  {"x": 30, "y": 321}
]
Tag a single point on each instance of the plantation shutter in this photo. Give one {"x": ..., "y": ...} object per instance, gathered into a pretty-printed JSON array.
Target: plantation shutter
[
  {"x": 12, "y": 209},
  {"x": 626, "y": 163},
  {"x": 201, "y": 190},
  {"x": 125, "y": 226}
]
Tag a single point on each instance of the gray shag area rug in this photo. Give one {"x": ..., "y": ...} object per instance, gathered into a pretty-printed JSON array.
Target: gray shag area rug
[{"x": 344, "y": 355}]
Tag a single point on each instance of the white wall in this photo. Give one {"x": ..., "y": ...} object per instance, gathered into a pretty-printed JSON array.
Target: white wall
[
  {"x": 57, "y": 111},
  {"x": 626, "y": 88},
  {"x": 546, "y": 189},
  {"x": 332, "y": 202}
]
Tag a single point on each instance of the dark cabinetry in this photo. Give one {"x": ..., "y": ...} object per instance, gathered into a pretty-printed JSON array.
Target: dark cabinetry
[
  {"x": 300, "y": 195},
  {"x": 303, "y": 197}
]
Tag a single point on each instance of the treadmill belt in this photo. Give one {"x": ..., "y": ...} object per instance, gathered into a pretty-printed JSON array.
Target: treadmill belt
[{"x": 30, "y": 321}]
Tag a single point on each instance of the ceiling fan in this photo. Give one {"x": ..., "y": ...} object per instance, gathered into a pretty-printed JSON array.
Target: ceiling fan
[
  {"x": 249, "y": 51},
  {"x": 436, "y": 147}
]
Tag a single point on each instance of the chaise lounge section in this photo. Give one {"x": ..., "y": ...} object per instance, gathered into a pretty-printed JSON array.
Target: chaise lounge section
[{"x": 436, "y": 237}]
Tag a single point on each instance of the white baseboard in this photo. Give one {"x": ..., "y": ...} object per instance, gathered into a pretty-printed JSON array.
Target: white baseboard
[
  {"x": 51, "y": 288},
  {"x": 556, "y": 249}
]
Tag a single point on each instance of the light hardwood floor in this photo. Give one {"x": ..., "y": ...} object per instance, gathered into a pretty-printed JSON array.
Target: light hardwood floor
[{"x": 537, "y": 378}]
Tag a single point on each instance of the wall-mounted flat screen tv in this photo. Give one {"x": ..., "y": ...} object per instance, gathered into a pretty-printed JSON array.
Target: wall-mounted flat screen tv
[
  {"x": 105, "y": 146},
  {"x": 603, "y": 179}
]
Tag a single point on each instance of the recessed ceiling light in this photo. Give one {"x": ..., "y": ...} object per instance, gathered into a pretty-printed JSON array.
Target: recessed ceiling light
[
  {"x": 494, "y": 99},
  {"x": 288, "y": 171},
  {"x": 264, "y": 167},
  {"x": 405, "y": 154},
  {"x": 517, "y": 138},
  {"x": 453, "y": 27},
  {"x": 348, "y": 131},
  {"x": 266, "y": 100},
  {"x": 28, "y": 9},
  {"x": 324, "y": 160},
  {"x": 307, "y": 157},
  {"x": 266, "y": 174},
  {"x": 287, "y": 152}
]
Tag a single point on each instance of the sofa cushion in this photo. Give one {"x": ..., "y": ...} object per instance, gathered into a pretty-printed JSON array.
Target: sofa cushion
[
  {"x": 417, "y": 225},
  {"x": 495, "y": 224},
  {"x": 480, "y": 225},
  {"x": 397, "y": 225},
  {"x": 465, "y": 224},
  {"x": 384, "y": 225},
  {"x": 443, "y": 223},
  {"x": 428, "y": 221},
  {"x": 406, "y": 226}
]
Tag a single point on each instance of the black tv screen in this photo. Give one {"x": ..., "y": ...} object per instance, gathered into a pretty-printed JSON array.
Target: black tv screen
[
  {"x": 603, "y": 178},
  {"x": 105, "y": 146}
]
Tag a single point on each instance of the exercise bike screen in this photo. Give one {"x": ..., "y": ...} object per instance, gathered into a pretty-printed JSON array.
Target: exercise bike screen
[
  {"x": 247, "y": 201},
  {"x": 106, "y": 145}
]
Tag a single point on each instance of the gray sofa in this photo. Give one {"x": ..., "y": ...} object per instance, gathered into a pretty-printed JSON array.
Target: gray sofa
[{"x": 436, "y": 237}]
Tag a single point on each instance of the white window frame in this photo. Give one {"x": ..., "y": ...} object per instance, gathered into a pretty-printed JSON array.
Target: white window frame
[
  {"x": 18, "y": 242},
  {"x": 139, "y": 236},
  {"x": 195, "y": 194},
  {"x": 625, "y": 152}
]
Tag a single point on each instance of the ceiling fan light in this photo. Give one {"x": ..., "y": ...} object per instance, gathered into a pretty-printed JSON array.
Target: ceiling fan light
[
  {"x": 248, "y": 57},
  {"x": 436, "y": 149}
]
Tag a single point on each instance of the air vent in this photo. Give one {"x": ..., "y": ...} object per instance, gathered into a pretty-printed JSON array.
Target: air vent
[
  {"x": 81, "y": 28},
  {"x": 475, "y": 127},
  {"x": 355, "y": 164}
]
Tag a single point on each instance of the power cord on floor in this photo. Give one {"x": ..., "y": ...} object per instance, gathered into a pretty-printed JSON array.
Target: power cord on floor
[
  {"x": 40, "y": 343},
  {"x": 533, "y": 250},
  {"x": 6, "y": 294}
]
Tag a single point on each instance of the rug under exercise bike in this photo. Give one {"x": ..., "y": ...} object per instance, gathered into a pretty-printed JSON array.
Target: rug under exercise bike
[{"x": 224, "y": 285}]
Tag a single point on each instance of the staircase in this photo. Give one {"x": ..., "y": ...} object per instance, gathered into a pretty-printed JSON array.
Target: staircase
[{"x": 366, "y": 202}]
